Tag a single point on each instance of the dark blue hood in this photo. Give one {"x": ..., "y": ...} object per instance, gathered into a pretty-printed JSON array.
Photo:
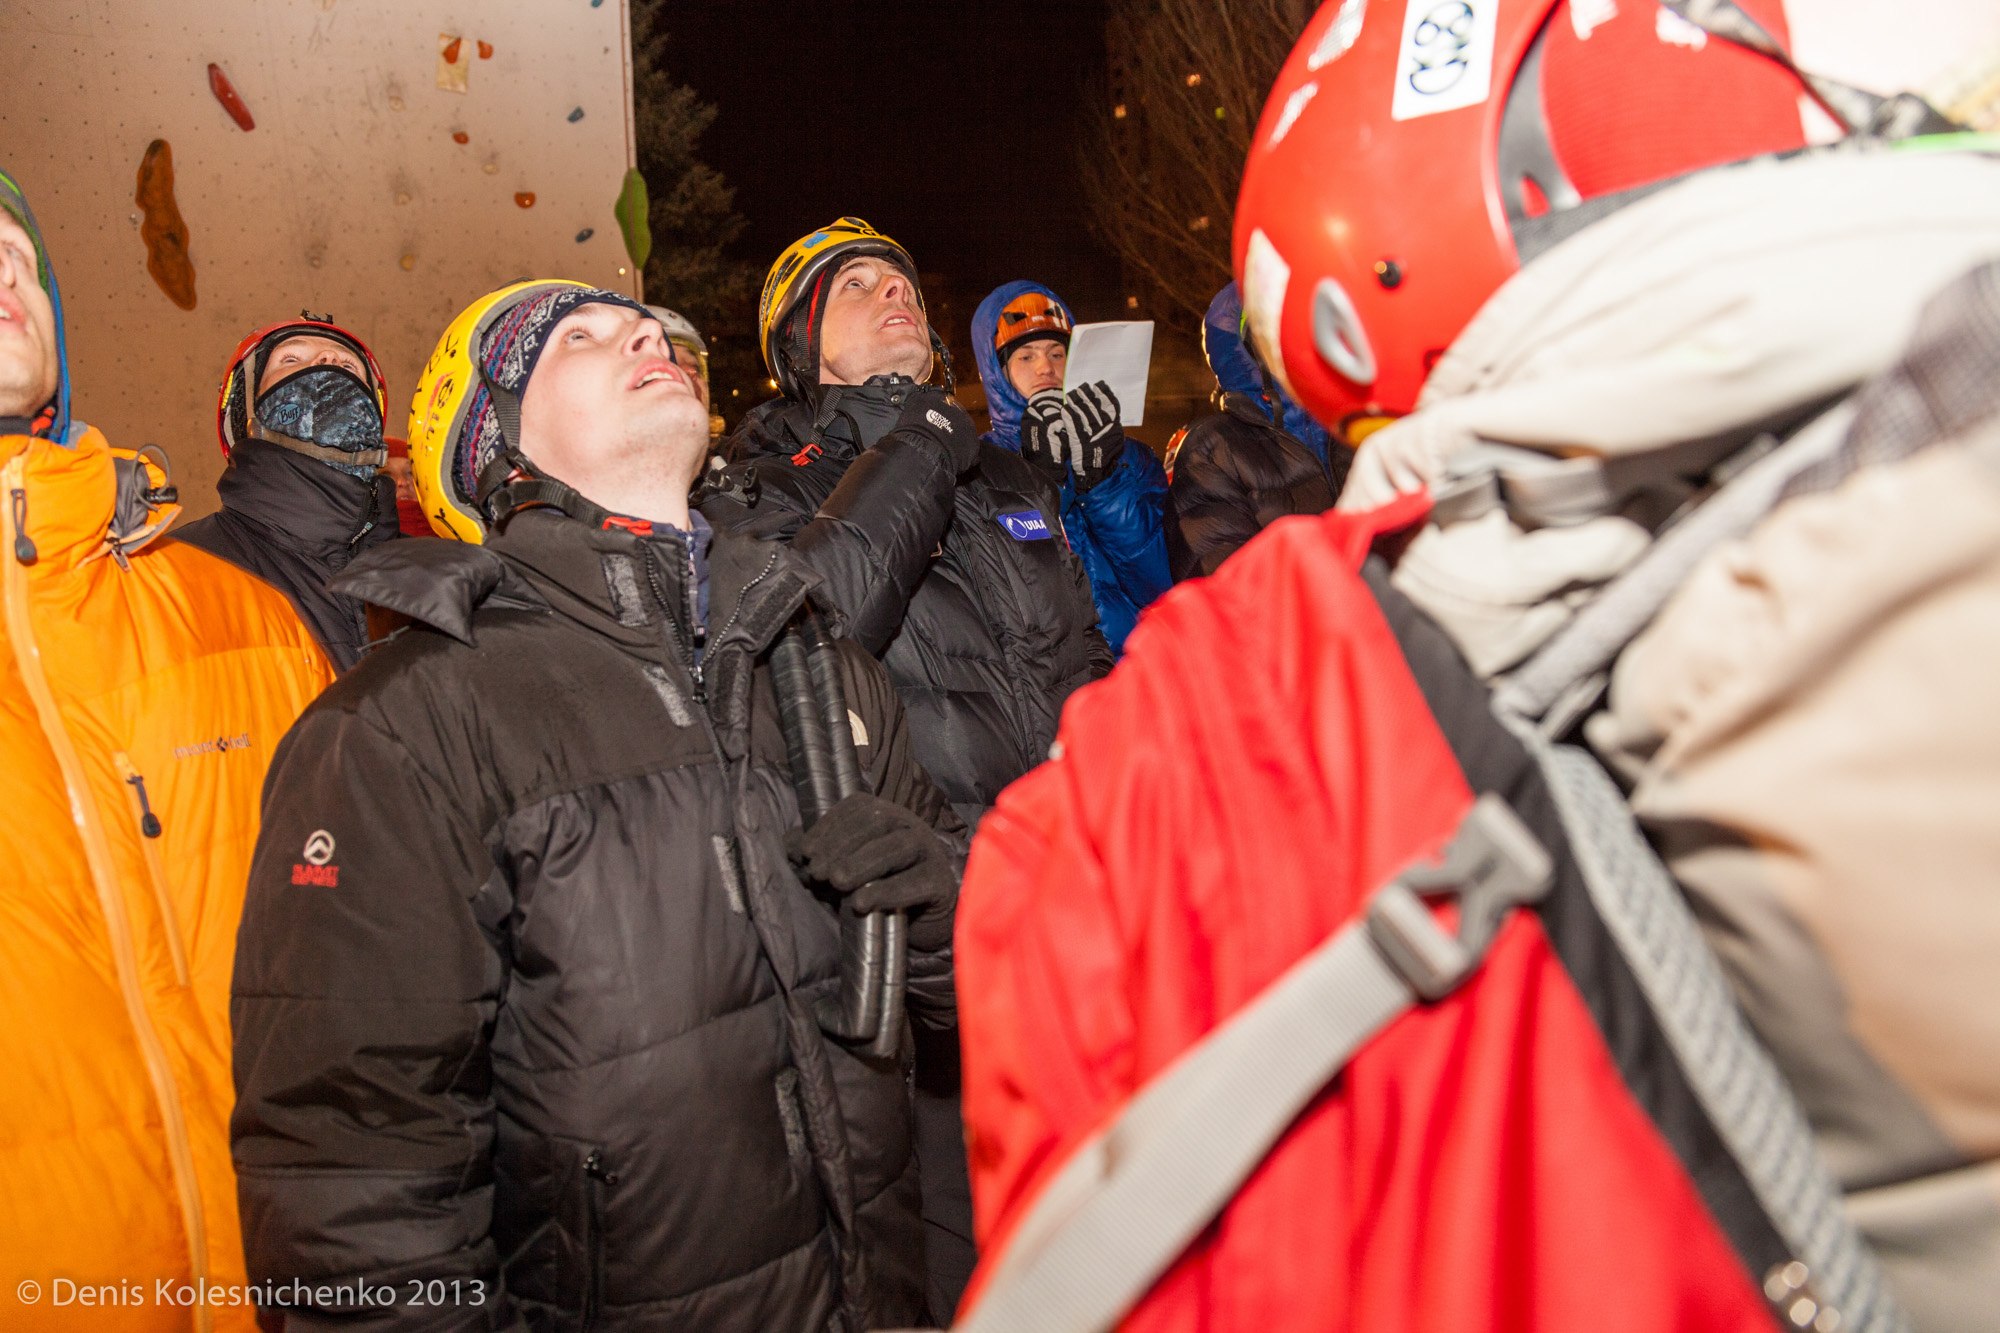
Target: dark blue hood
[
  {"x": 1004, "y": 403},
  {"x": 1237, "y": 370},
  {"x": 15, "y": 202}
]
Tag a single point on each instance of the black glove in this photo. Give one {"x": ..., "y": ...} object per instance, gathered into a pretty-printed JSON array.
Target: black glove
[
  {"x": 883, "y": 858},
  {"x": 930, "y": 412},
  {"x": 1079, "y": 432}
]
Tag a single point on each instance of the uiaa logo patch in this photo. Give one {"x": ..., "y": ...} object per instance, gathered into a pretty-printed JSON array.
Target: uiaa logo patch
[{"x": 1026, "y": 525}]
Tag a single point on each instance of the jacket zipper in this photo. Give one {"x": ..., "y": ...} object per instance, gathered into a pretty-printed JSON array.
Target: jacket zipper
[
  {"x": 103, "y": 872},
  {"x": 681, "y": 648},
  {"x": 598, "y": 1177},
  {"x": 150, "y": 830},
  {"x": 744, "y": 596}
]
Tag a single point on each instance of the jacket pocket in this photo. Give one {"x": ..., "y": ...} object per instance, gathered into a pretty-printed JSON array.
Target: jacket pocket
[{"x": 598, "y": 1178}]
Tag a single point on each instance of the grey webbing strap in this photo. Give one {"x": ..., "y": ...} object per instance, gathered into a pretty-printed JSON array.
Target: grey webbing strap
[
  {"x": 1855, "y": 107},
  {"x": 1598, "y": 633},
  {"x": 1131, "y": 1198}
]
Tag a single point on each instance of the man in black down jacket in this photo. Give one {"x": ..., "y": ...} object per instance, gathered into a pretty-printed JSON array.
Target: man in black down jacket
[
  {"x": 526, "y": 983},
  {"x": 945, "y": 553},
  {"x": 300, "y": 422},
  {"x": 1260, "y": 459}
]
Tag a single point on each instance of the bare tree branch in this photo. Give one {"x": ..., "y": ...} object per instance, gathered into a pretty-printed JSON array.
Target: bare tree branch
[{"x": 1164, "y": 148}]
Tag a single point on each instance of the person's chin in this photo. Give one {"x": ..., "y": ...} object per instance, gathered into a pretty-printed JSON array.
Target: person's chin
[{"x": 674, "y": 419}]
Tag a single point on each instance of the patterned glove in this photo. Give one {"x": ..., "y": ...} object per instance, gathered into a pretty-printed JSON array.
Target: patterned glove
[
  {"x": 1078, "y": 434},
  {"x": 1094, "y": 409}
]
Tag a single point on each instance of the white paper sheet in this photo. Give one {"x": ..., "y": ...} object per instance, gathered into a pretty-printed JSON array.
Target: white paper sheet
[{"x": 1121, "y": 354}]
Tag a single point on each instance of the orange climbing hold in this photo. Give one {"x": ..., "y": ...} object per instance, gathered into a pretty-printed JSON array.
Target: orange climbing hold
[
  {"x": 225, "y": 93},
  {"x": 164, "y": 230},
  {"x": 486, "y": 50},
  {"x": 526, "y": 198},
  {"x": 460, "y": 136},
  {"x": 450, "y": 52}
]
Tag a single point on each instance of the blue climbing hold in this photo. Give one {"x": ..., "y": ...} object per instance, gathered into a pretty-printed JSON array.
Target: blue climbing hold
[
  {"x": 576, "y": 115},
  {"x": 585, "y": 234}
]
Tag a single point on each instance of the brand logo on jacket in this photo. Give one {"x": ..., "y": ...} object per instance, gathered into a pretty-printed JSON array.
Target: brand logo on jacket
[
  {"x": 1026, "y": 525},
  {"x": 938, "y": 419},
  {"x": 315, "y": 869},
  {"x": 220, "y": 745}
]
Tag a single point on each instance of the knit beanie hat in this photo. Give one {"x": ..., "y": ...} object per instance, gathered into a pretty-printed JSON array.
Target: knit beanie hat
[{"x": 507, "y": 355}]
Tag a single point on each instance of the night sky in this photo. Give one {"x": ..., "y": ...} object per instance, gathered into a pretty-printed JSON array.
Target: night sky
[{"x": 949, "y": 126}]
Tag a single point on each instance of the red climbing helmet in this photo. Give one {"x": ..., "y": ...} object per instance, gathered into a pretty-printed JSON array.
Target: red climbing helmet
[
  {"x": 1411, "y": 154},
  {"x": 246, "y": 366}
]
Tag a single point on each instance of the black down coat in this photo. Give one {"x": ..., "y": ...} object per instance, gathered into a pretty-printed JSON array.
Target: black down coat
[
  {"x": 1233, "y": 475},
  {"x": 964, "y": 587},
  {"x": 525, "y": 983},
  {"x": 294, "y": 522}
]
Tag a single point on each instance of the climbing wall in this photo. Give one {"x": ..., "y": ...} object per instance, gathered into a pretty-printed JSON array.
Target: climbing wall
[{"x": 380, "y": 161}]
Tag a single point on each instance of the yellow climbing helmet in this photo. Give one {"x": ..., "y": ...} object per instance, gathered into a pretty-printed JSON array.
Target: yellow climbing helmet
[
  {"x": 441, "y": 412},
  {"x": 791, "y": 280}
]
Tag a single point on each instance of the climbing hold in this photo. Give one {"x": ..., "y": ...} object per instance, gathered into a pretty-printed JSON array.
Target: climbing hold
[
  {"x": 409, "y": 262},
  {"x": 225, "y": 93},
  {"x": 525, "y": 198},
  {"x": 490, "y": 168},
  {"x": 460, "y": 136},
  {"x": 452, "y": 67},
  {"x": 585, "y": 234},
  {"x": 632, "y": 211},
  {"x": 486, "y": 50},
  {"x": 164, "y": 231},
  {"x": 576, "y": 115},
  {"x": 402, "y": 196},
  {"x": 595, "y": 3},
  {"x": 395, "y": 102}
]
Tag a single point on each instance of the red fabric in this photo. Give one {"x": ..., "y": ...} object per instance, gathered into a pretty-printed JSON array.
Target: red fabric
[
  {"x": 1627, "y": 107},
  {"x": 1259, "y": 762}
]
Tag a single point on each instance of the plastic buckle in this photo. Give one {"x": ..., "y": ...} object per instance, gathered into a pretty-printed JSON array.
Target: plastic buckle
[{"x": 1492, "y": 865}]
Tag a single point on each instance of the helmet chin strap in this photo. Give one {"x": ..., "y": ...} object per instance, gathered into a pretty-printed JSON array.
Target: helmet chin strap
[{"x": 511, "y": 483}]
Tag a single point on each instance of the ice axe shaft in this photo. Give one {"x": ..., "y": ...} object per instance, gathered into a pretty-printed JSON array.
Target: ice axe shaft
[{"x": 819, "y": 741}]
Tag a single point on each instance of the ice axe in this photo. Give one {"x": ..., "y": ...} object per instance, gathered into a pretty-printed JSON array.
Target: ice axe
[{"x": 819, "y": 741}]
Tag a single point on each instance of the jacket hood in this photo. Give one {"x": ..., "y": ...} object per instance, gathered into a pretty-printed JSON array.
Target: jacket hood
[
  {"x": 86, "y": 500},
  {"x": 1004, "y": 403},
  {"x": 15, "y": 202},
  {"x": 1237, "y": 371}
]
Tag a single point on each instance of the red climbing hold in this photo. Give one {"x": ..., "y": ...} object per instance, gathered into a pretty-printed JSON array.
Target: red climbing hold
[
  {"x": 460, "y": 136},
  {"x": 225, "y": 93},
  {"x": 486, "y": 50},
  {"x": 526, "y": 198},
  {"x": 450, "y": 52}
]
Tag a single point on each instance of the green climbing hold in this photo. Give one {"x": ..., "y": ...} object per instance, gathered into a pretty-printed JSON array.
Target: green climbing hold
[{"x": 631, "y": 210}]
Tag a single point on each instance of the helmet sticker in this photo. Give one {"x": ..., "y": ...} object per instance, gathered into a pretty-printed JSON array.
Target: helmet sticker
[
  {"x": 1340, "y": 35},
  {"x": 1294, "y": 107},
  {"x": 1446, "y": 56},
  {"x": 1266, "y": 275}
]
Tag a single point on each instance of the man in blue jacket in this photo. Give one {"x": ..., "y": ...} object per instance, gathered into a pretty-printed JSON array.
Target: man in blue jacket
[{"x": 1114, "y": 491}]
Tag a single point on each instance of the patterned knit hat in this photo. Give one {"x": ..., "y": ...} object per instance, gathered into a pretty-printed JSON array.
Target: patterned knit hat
[{"x": 507, "y": 355}]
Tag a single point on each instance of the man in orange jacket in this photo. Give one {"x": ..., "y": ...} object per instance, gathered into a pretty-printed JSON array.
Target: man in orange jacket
[{"x": 142, "y": 692}]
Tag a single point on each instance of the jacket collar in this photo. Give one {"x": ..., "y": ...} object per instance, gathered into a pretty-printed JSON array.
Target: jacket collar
[
  {"x": 305, "y": 506},
  {"x": 84, "y": 500},
  {"x": 595, "y": 577}
]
